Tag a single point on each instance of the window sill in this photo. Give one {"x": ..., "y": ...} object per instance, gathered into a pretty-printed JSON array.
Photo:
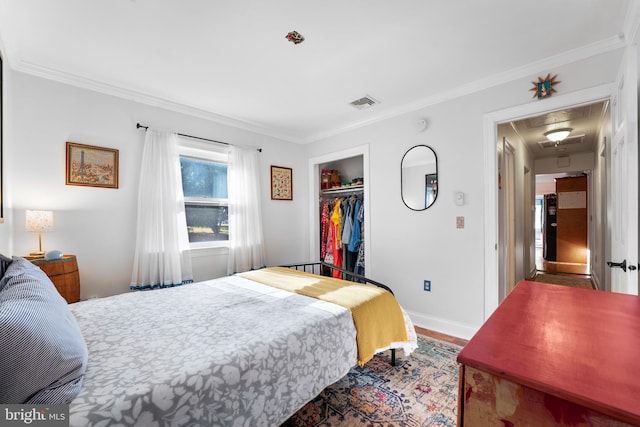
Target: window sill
[{"x": 206, "y": 250}]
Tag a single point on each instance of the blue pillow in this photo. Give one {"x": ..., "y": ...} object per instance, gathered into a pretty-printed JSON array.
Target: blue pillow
[{"x": 43, "y": 355}]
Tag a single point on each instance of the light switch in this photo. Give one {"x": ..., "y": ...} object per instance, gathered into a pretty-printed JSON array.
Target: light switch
[{"x": 459, "y": 198}]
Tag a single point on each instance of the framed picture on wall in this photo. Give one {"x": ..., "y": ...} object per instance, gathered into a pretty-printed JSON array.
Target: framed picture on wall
[
  {"x": 91, "y": 166},
  {"x": 281, "y": 183}
]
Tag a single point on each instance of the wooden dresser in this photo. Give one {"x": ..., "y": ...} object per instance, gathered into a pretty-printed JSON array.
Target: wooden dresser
[
  {"x": 554, "y": 355},
  {"x": 64, "y": 274}
]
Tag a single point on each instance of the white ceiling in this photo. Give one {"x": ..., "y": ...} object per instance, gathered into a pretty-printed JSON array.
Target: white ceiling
[
  {"x": 584, "y": 121},
  {"x": 230, "y": 60}
]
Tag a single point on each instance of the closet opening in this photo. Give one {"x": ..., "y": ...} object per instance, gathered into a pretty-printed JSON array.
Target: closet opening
[{"x": 339, "y": 191}]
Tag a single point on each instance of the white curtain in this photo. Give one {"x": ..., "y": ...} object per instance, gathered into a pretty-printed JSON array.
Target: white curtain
[
  {"x": 246, "y": 238},
  {"x": 161, "y": 257}
]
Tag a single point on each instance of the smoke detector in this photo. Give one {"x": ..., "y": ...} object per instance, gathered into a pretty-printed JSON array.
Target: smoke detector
[{"x": 366, "y": 101}]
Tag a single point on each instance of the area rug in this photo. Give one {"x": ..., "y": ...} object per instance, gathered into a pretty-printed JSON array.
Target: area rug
[
  {"x": 421, "y": 390},
  {"x": 557, "y": 279}
]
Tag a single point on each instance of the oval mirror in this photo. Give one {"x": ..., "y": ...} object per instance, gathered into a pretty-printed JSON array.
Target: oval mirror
[{"x": 419, "y": 177}]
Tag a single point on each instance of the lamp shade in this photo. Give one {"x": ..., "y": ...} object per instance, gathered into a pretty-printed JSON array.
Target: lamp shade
[
  {"x": 558, "y": 134},
  {"x": 39, "y": 221}
]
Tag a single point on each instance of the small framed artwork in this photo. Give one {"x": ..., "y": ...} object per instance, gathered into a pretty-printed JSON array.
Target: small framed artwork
[
  {"x": 281, "y": 183},
  {"x": 91, "y": 166}
]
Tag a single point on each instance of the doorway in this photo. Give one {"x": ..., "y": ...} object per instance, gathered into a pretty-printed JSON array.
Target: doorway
[
  {"x": 492, "y": 226},
  {"x": 550, "y": 225},
  {"x": 362, "y": 153}
]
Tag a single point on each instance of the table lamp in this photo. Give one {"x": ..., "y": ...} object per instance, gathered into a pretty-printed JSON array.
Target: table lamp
[{"x": 40, "y": 222}]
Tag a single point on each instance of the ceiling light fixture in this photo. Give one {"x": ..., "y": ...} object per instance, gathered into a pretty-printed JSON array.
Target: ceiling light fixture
[{"x": 557, "y": 135}]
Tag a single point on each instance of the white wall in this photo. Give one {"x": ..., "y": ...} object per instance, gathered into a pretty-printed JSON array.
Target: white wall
[
  {"x": 577, "y": 162},
  {"x": 98, "y": 224},
  {"x": 406, "y": 246},
  {"x": 5, "y": 224}
]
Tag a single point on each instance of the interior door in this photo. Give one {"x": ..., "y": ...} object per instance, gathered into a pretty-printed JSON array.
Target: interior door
[
  {"x": 623, "y": 201},
  {"x": 506, "y": 218}
]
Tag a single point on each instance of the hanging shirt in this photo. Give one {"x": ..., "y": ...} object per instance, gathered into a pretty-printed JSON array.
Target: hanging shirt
[
  {"x": 329, "y": 246},
  {"x": 336, "y": 222},
  {"x": 324, "y": 218},
  {"x": 348, "y": 222},
  {"x": 360, "y": 262},
  {"x": 354, "y": 241}
]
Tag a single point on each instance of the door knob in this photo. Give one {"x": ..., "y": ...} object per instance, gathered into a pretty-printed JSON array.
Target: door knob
[{"x": 622, "y": 265}]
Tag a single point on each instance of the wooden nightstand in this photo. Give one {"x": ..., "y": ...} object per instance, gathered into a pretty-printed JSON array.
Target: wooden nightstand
[{"x": 64, "y": 274}]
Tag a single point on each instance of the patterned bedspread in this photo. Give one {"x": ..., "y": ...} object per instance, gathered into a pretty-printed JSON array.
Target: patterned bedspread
[{"x": 225, "y": 352}]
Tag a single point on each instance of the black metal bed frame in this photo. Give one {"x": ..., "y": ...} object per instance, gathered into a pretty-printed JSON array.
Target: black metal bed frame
[{"x": 323, "y": 269}]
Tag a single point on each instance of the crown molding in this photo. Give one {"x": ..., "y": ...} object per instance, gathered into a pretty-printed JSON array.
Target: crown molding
[
  {"x": 144, "y": 98},
  {"x": 568, "y": 57},
  {"x": 494, "y": 80}
]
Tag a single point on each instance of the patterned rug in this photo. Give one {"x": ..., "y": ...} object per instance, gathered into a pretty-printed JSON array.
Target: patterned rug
[
  {"x": 557, "y": 279},
  {"x": 421, "y": 390}
]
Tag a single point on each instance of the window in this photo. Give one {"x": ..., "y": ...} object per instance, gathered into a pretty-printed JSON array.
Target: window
[{"x": 204, "y": 183}]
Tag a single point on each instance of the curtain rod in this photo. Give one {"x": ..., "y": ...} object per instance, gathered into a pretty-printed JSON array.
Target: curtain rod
[{"x": 138, "y": 126}]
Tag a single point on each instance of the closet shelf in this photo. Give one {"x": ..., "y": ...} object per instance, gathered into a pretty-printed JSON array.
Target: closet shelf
[{"x": 342, "y": 190}]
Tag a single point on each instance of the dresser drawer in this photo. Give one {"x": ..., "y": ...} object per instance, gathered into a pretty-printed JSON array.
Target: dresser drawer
[{"x": 64, "y": 274}]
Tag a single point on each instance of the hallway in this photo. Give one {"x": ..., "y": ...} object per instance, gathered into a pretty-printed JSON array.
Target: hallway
[{"x": 562, "y": 273}]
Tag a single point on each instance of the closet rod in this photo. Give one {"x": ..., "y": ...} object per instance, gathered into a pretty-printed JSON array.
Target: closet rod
[
  {"x": 335, "y": 195},
  {"x": 138, "y": 126}
]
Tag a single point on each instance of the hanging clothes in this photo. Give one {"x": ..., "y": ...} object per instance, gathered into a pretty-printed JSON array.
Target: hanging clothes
[
  {"x": 359, "y": 269},
  {"x": 354, "y": 241},
  {"x": 329, "y": 244},
  {"x": 347, "y": 233},
  {"x": 336, "y": 221},
  {"x": 324, "y": 228},
  {"x": 347, "y": 220},
  {"x": 341, "y": 229}
]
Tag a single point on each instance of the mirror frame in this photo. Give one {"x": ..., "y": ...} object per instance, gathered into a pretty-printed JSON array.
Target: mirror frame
[{"x": 435, "y": 156}]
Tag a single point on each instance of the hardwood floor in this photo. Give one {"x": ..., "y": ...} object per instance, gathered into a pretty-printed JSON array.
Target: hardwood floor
[
  {"x": 441, "y": 337},
  {"x": 554, "y": 267}
]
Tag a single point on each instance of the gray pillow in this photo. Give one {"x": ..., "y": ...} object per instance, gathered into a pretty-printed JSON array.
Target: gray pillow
[{"x": 43, "y": 355}]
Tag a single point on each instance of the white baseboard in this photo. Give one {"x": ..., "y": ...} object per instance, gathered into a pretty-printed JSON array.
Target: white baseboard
[{"x": 443, "y": 326}]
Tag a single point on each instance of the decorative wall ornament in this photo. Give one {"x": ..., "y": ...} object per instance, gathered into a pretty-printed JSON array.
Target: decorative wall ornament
[
  {"x": 295, "y": 37},
  {"x": 543, "y": 88}
]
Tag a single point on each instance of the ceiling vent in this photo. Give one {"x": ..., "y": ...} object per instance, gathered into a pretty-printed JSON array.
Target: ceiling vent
[{"x": 364, "y": 102}]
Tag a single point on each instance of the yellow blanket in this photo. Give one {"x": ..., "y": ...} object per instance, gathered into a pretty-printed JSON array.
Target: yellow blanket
[{"x": 376, "y": 313}]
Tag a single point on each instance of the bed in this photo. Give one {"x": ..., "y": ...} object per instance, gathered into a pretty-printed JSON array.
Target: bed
[{"x": 230, "y": 351}]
